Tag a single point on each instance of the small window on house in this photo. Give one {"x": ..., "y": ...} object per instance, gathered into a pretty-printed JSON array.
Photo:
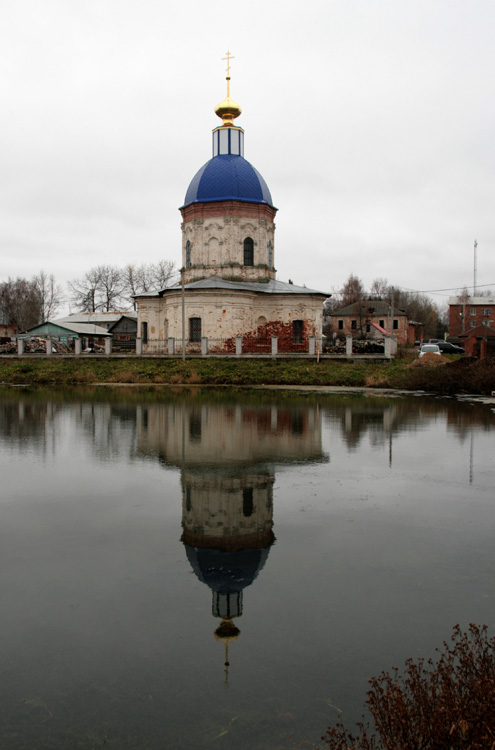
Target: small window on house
[
  {"x": 144, "y": 332},
  {"x": 472, "y": 311},
  {"x": 473, "y": 324},
  {"x": 297, "y": 331},
  {"x": 487, "y": 311},
  {"x": 247, "y": 501},
  {"x": 353, "y": 325},
  {"x": 341, "y": 325},
  {"x": 368, "y": 327},
  {"x": 396, "y": 324},
  {"x": 188, "y": 254},
  {"x": 382, "y": 323},
  {"x": 194, "y": 329},
  {"x": 248, "y": 252}
]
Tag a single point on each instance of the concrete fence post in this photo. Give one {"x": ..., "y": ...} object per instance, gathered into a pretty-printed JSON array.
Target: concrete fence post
[
  {"x": 77, "y": 347},
  {"x": 348, "y": 346},
  {"x": 390, "y": 346},
  {"x": 48, "y": 347},
  {"x": 238, "y": 346},
  {"x": 20, "y": 347},
  {"x": 274, "y": 346},
  {"x": 204, "y": 346},
  {"x": 312, "y": 345},
  {"x": 171, "y": 345},
  {"x": 108, "y": 346},
  {"x": 139, "y": 346}
]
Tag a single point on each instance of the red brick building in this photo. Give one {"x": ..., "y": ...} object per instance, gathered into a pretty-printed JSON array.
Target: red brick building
[{"x": 470, "y": 312}]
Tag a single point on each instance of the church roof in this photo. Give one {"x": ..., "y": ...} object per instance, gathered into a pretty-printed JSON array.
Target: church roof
[
  {"x": 227, "y": 177},
  {"x": 271, "y": 287}
]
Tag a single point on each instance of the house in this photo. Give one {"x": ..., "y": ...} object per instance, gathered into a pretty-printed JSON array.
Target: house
[
  {"x": 229, "y": 290},
  {"x": 479, "y": 341},
  {"x": 7, "y": 328},
  {"x": 66, "y": 334},
  {"x": 470, "y": 312},
  {"x": 371, "y": 318},
  {"x": 124, "y": 332},
  {"x": 103, "y": 319}
]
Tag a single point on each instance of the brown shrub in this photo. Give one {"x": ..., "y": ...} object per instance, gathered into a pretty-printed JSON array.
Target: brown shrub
[{"x": 448, "y": 704}]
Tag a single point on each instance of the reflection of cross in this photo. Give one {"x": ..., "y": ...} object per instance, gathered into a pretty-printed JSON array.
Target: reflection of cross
[{"x": 228, "y": 58}]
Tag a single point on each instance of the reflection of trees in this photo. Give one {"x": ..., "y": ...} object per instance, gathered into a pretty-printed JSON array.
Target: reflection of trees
[
  {"x": 27, "y": 424},
  {"x": 382, "y": 418}
]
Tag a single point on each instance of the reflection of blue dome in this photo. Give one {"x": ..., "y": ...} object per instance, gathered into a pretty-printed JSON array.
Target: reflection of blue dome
[
  {"x": 228, "y": 177},
  {"x": 226, "y": 572}
]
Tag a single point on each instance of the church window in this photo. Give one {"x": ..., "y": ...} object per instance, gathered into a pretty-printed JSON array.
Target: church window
[
  {"x": 396, "y": 324},
  {"x": 297, "y": 331},
  {"x": 248, "y": 252},
  {"x": 341, "y": 325},
  {"x": 144, "y": 332},
  {"x": 247, "y": 501},
  {"x": 353, "y": 325},
  {"x": 382, "y": 323},
  {"x": 270, "y": 254},
  {"x": 194, "y": 329},
  {"x": 188, "y": 254},
  {"x": 195, "y": 427}
]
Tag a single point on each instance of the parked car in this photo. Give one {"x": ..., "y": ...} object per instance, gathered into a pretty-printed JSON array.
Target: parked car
[
  {"x": 447, "y": 348},
  {"x": 429, "y": 349}
]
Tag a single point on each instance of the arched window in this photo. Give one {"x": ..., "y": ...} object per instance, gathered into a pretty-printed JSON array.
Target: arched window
[
  {"x": 247, "y": 501},
  {"x": 188, "y": 254},
  {"x": 194, "y": 329},
  {"x": 270, "y": 254},
  {"x": 248, "y": 252}
]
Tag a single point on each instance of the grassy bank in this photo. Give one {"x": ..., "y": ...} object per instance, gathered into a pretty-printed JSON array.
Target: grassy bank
[{"x": 457, "y": 376}]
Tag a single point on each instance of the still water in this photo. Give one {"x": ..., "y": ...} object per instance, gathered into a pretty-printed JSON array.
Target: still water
[{"x": 309, "y": 541}]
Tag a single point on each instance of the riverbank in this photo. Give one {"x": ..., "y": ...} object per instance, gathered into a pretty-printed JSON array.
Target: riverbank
[{"x": 462, "y": 375}]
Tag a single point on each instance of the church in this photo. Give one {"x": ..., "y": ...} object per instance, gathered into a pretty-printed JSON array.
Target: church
[{"x": 229, "y": 299}]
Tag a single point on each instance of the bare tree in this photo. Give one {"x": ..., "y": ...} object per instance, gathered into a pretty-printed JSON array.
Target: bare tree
[
  {"x": 162, "y": 273},
  {"x": 84, "y": 292},
  {"x": 110, "y": 287},
  {"x": 352, "y": 291},
  {"x": 20, "y": 303},
  {"x": 50, "y": 295}
]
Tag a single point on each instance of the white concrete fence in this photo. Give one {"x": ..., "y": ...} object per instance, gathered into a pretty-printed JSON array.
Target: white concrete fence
[{"x": 238, "y": 347}]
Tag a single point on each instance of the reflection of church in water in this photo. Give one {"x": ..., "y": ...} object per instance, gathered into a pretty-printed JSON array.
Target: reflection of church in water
[{"x": 227, "y": 455}]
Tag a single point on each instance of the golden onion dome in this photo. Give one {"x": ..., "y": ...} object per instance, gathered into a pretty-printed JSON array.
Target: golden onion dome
[{"x": 228, "y": 110}]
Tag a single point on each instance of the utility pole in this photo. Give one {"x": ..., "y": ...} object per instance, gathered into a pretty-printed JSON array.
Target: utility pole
[
  {"x": 183, "y": 313},
  {"x": 475, "y": 268}
]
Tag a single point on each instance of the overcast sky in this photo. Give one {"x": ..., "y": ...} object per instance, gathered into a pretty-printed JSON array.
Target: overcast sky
[{"x": 372, "y": 122}]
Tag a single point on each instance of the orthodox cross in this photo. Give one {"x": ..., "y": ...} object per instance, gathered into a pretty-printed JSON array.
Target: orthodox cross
[{"x": 228, "y": 58}]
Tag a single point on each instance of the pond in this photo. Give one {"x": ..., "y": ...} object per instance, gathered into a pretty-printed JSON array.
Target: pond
[{"x": 227, "y": 569}]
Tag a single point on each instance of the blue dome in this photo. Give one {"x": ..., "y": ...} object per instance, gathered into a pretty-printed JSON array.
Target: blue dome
[{"x": 228, "y": 177}]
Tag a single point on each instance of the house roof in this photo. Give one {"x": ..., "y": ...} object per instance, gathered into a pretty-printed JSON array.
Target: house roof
[
  {"x": 54, "y": 328},
  {"x": 271, "y": 287},
  {"x": 96, "y": 317},
  {"x": 480, "y": 332},
  {"x": 376, "y": 307}
]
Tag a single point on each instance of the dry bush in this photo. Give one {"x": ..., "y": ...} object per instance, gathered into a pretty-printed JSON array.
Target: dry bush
[
  {"x": 448, "y": 704},
  {"x": 176, "y": 378},
  {"x": 126, "y": 376},
  {"x": 194, "y": 378}
]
